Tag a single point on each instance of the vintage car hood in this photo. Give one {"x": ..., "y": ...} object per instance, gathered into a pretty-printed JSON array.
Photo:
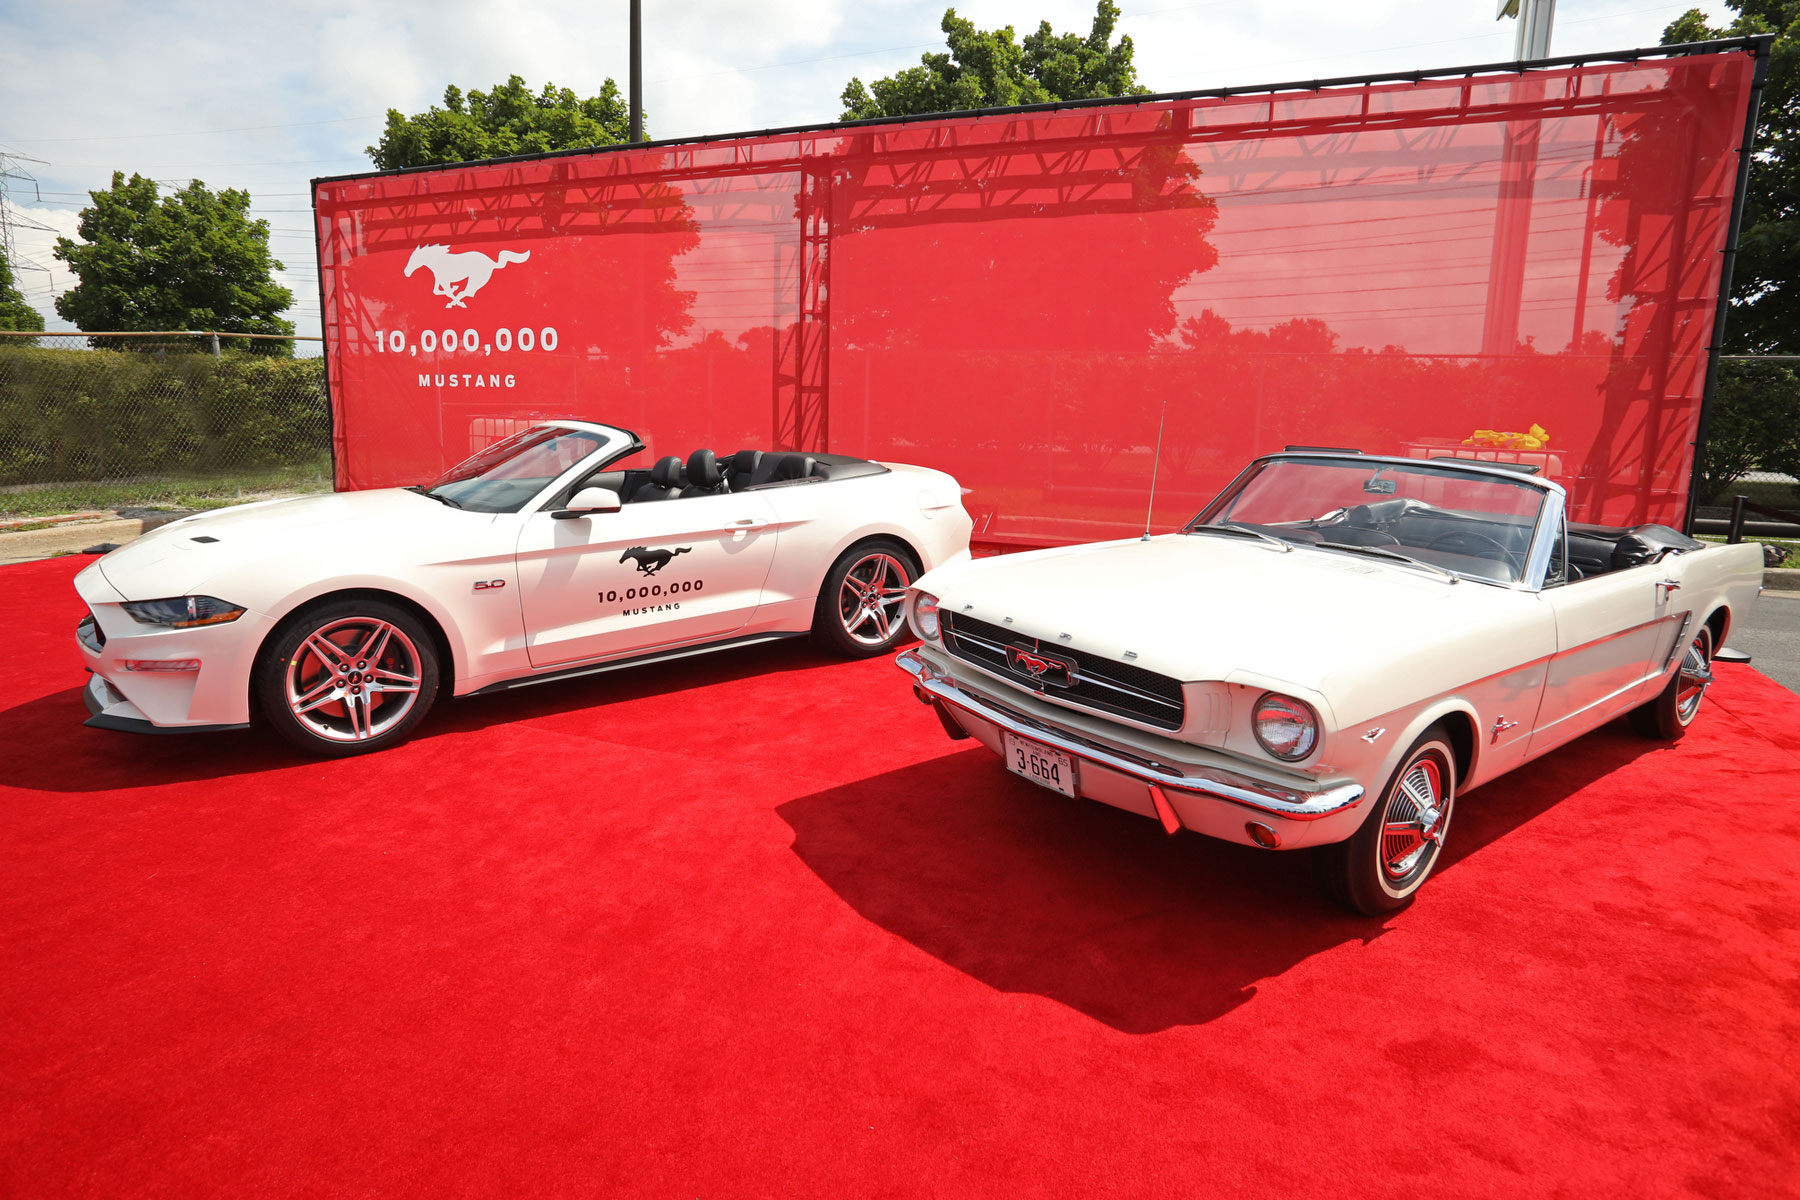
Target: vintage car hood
[
  {"x": 1206, "y": 607},
  {"x": 169, "y": 562}
]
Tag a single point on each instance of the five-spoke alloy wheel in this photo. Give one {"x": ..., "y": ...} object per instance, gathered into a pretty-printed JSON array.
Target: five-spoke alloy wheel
[
  {"x": 349, "y": 677},
  {"x": 862, "y": 606}
]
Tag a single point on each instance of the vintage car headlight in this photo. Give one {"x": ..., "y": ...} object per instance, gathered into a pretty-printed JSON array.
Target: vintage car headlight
[
  {"x": 183, "y": 612},
  {"x": 1286, "y": 727},
  {"x": 925, "y": 616}
]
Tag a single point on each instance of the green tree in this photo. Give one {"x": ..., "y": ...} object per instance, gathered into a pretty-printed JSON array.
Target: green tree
[
  {"x": 1765, "y": 302},
  {"x": 190, "y": 260},
  {"x": 1755, "y": 425},
  {"x": 986, "y": 68},
  {"x": 508, "y": 120},
  {"x": 15, "y": 313}
]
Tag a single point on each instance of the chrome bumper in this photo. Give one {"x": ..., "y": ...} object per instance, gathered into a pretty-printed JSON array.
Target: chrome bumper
[{"x": 1271, "y": 800}]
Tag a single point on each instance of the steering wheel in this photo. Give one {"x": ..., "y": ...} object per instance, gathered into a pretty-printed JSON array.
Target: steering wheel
[{"x": 1481, "y": 543}]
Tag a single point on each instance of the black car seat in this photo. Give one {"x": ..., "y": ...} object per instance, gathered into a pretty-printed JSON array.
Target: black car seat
[
  {"x": 797, "y": 466},
  {"x": 666, "y": 481},
  {"x": 740, "y": 469},
  {"x": 703, "y": 475}
]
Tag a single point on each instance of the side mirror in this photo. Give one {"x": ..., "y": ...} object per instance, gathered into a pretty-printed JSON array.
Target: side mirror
[{"x": 589, "y": 501}]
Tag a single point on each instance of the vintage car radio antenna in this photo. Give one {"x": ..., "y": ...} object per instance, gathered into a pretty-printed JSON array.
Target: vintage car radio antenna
[{"x": 1155, "y": 461}]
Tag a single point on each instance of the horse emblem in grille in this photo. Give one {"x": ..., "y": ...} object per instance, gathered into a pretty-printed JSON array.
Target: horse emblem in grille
[{"x": 1052, "y": 669}]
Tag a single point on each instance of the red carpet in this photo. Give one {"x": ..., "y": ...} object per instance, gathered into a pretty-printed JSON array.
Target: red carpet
[{"x": 754, "y": 927}]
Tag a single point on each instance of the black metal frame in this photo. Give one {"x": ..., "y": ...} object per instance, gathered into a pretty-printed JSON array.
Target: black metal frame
[
  {"x": 1760, "y": 46},
  {"x": 1757, "y": 44}
]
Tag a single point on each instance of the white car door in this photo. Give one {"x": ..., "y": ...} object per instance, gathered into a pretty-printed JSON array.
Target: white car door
[
  {"x": 654, "y": 574},
  {"x": 1611, "y": 632}
]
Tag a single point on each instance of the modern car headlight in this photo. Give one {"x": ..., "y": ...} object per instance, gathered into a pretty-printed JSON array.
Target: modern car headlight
[
  {"x": 925, "y": 616},
  {"x": 1286, "y": 727},
  {"x": 183, "y": 612}
]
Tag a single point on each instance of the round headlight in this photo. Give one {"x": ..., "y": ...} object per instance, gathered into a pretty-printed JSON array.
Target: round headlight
[
  {"x": 925, "y": 616},
  {"x": 1286, "y": 727}
]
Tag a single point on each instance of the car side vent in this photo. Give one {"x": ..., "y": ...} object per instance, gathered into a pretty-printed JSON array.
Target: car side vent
[{"x": 203, "y": 538}]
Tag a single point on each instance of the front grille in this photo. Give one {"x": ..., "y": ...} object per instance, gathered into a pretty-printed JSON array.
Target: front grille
[{"x": 1102, "y": 684}]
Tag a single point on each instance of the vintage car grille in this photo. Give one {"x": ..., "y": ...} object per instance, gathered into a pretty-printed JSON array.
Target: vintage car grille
[{"x": 1102, "y": 684}]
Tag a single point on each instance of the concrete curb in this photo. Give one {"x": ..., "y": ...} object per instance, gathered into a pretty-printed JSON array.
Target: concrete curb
[
  {"x": 68, "y": 539},
  {"x": 1781, "y": 579}
]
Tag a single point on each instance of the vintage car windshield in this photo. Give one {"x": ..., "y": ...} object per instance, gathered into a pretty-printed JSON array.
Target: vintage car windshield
[
  {"x": 503, "y": 477},
  {"x": 1474, "y": 524}
]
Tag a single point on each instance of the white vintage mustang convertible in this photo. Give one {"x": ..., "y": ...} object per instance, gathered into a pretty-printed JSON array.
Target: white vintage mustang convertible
[
  {"x": 341, "y": 618},
  {"x": 1327, "y": 656}
]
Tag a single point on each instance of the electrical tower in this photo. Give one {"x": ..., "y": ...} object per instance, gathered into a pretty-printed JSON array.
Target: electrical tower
[{"x": 13, "y": 174}]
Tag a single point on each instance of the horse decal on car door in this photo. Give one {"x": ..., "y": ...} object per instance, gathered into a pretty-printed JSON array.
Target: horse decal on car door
[
  {"x": 649, "y": 562},
  {"x": 459, "y": 275}
]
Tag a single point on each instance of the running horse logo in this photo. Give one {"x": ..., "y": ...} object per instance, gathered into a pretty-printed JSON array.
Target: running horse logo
[
  {"x": 459, "y": 276},
  {"x": 649, "y": 562},
  {"x": 1044, "y": 668}
]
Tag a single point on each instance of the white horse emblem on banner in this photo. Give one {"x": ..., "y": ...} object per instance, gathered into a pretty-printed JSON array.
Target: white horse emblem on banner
[{"x": 459, "y": 276}]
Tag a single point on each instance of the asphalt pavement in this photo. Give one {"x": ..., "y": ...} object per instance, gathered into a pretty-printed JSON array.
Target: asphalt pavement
[{"x": 1771, "y": 635}]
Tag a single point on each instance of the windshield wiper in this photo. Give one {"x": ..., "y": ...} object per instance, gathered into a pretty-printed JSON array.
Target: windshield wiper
[
  {"x": 1384, "y": 552},
  {"x": 1241, "y": 531},
  {"x": 440, "y": 499}
]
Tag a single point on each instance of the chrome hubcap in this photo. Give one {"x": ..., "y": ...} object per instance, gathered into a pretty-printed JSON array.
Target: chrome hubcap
[
  {"x": 353, "y": 679},
  {"x": 1415, "y": 821},
  {"x": 869, "y": 602},
  {"x": 1695, "y": 674}
]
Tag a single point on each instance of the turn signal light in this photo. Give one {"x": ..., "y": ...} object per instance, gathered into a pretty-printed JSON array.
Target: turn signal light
[{"x": 161, "y": 664}]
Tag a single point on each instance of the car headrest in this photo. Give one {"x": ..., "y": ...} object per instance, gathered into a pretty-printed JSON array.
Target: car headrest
[
  {"x": 703, "y": 470},
  {"x": 667, "y": 472},
  {"x": 795, "y": 466},
  {"x": 743, "y": 464}
]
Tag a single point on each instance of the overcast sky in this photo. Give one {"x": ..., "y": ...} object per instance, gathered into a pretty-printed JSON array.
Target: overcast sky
[{"x": 266, "y": 97}]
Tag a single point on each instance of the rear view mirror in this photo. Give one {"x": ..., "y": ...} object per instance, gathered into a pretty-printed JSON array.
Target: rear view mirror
[{"x": 589, "y": 501}]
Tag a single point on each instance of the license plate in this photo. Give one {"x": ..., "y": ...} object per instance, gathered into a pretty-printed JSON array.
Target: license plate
[{"x": 1040, "y": 764}]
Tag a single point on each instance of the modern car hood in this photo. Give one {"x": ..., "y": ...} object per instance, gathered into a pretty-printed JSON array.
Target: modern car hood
[
  {"x": 169, "y": 561},
  {"x": 1208, "y": 607}
]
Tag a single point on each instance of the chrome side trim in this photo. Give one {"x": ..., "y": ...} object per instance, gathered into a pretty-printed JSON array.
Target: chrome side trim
[{"x": 1291, "y": 804}]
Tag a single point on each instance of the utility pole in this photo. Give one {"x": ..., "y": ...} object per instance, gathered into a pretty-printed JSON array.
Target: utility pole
[
  {"x": 1517, "y": 183},
  {"x": 637, "y": 70},
  {"x": 1532, "y": 39}
]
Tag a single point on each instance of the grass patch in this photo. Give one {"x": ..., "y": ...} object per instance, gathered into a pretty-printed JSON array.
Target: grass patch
[{"x": 214, "y": 490}]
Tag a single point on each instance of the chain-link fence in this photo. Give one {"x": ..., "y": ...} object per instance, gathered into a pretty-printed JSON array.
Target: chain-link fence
[{"x": 166, "y": 420}]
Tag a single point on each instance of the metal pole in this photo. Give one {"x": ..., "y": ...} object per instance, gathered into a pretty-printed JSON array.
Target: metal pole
[
  {"x": 1735, "y": 533},
  {"x": 637, "y": 70},
  {"x": 215, "y": 343}
]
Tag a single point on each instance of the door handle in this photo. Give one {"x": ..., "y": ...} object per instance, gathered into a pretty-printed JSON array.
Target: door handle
[
  {"x": 748, "y": 523},
  {"x": 1668, "y": 588}
]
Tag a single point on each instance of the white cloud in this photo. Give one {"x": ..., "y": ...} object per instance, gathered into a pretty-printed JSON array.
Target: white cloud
[{"x": 98, "y": 85}]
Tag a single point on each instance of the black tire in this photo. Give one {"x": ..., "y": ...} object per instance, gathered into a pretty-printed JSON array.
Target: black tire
[
  {"x": 1379, "y": 868},
  {"x": 849, "y": 619},
  {"x": 1675, "y": 707},
  {"x": 349, "y": 705}
]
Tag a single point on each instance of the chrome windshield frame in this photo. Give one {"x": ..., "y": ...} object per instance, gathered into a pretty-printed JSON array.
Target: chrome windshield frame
[{"x": 1550, "y": 515}]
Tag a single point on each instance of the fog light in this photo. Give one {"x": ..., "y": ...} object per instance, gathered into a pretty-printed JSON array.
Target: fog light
[
  {"x": 1262, "y": 835},
  {"x": 161, "y": 664}
]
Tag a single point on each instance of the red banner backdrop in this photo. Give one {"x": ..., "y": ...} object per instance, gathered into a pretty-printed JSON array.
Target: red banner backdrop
[{"x": 1020, "y": 299}]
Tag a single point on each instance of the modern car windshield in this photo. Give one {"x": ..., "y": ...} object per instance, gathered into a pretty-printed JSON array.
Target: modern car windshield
[
  {"x": 503, "y": 477},
  {"x": 1476, "y": 525}
]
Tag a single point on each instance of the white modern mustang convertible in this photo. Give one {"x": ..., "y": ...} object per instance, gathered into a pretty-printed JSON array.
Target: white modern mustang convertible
[
  {"x": 339, "y": 619},
  {"x": 1328, "y": 655}
]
